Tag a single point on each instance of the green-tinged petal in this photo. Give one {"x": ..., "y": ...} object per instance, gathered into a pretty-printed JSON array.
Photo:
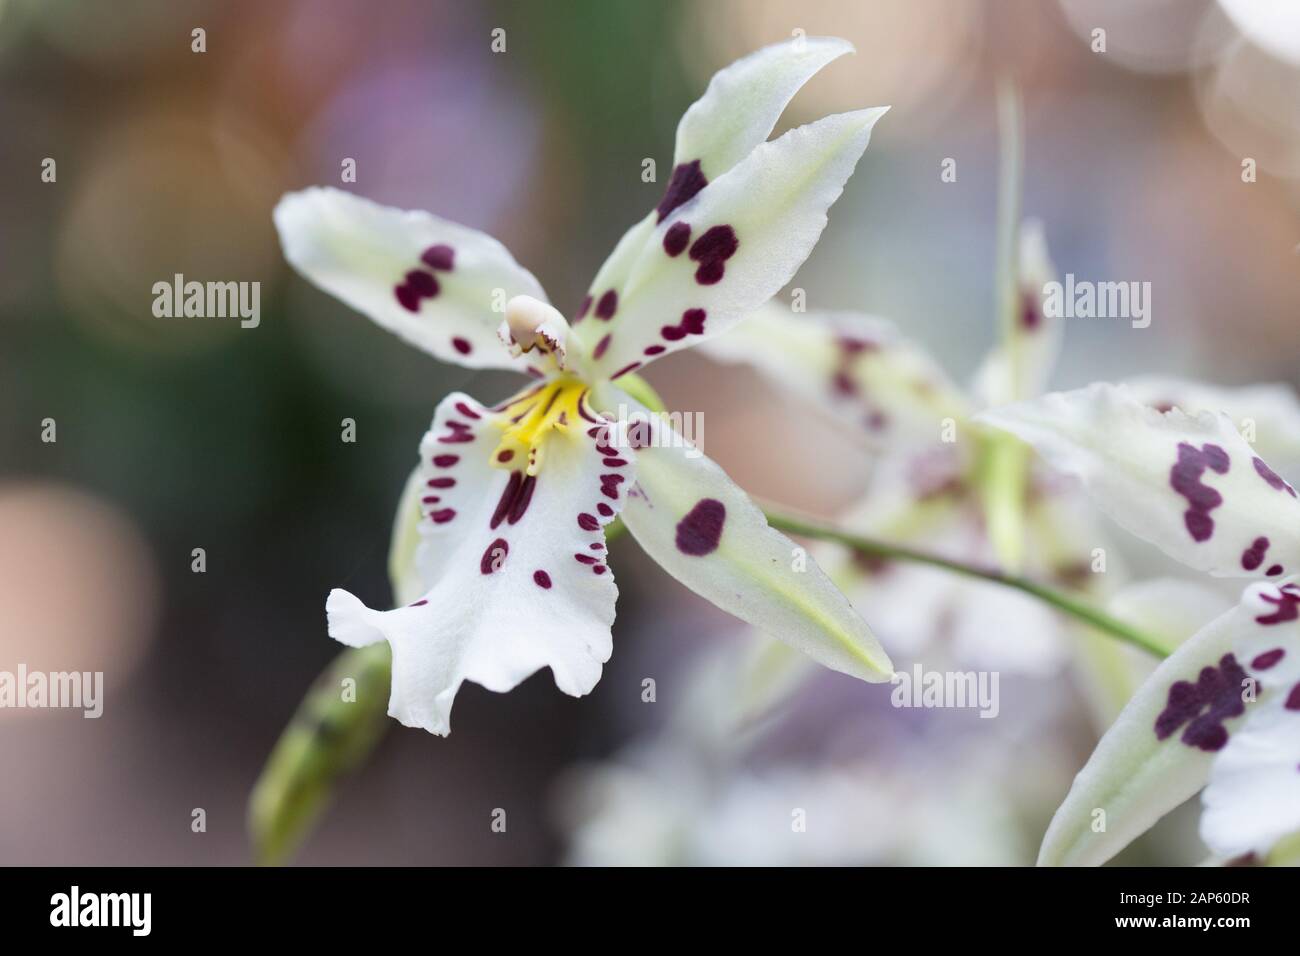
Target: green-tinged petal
[
  {"x": 704, "y": 530},
  {"x": 433, "y": 282},
  {"x": 727, "y": 250},
  {"x": 1135, "y": 777},
  {"x": 333, "y": 732},
  {"x": 857, "y": 369},
  {"x": 1190, "y": 485},
  {"x": 1199, "y": 716}
]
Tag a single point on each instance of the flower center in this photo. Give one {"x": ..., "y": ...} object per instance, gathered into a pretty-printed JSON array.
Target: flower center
[{"x": 559, "y": 405}]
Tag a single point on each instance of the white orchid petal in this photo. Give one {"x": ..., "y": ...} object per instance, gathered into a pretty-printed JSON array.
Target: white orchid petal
[
  {"x": 1267, "y": 415},
  {"x": 705, "y": 531},
  {"x": 1135, "y": 775},
  {"x": 517, "y": 563},
  {"x": 1161, "y": 748},
  {"x": 744, "y": 100},
  {"x": 1252, "y": 801},
  {"x": 1190, "y": 485},
  {"x": 430, "y": 281},
  {"x": 857, "y": 369},
  {"x": 726, "y": 251}
]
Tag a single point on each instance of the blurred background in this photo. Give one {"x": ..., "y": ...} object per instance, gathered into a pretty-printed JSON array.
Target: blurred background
[{"x": 180, "y": 434}]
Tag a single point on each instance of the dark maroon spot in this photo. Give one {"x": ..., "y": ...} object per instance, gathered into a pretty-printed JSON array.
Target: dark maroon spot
[
  {"x": 583, "y": 309},
  {"x": 687, "y": 181},
  {"x": 494, "y": 556},
  {"x": 844, "y": 384},
  {"x": 1293, "y": 699},
  {"x": 1274, "y": 570},
  {"x": 443, "y": 516},
  {"x": 692, "y": 323},
  {"x": 676, "y": 238},
  {"x": 422, "y": 284},
  {"x": 439, "y": 257},
  {"x": 699, "y": 532},
  {"x": 466, "y": 411},
  {"x": 420, "y": 603},
  {"x": 604, "y": 509},
  {"x": 522, "y": 500},
  {"x": 441, "y": 482},
  {"x": 1268, "y": 659},
  {"x": 613, "y": 462},
  {"x": 1185, "y": 477},
  {"x": 534, "y": 372},
  {"x": 596, "y": 546},
  {"x": 654, "y": 349},
  {"x": 1272, "y": 477},
  {"x": 599, "y": 350},
  {"x": 1287, "y": 603},
  {"x": 461, "y": 345},
  {"x": 1253, "y": 556},
  {"x": 711, "y": 251},
  {"x": 456, "y": 438},
  {"x": 430, "y": 499},
  {"x": 407, "y": 298},
  {"x": 625, "y": 369},
  {"x": 585, "y": 559},
  {"x": 588, "y": 522},
  {"x": 855, "y": 346},
  {"x": 505, "y": 455},
  {"x": 598, "y": 569},
  {"x": 1205, "y": 705},
  {"x": 542, "y": 579},
  {"x": 445, "y": 461},
  {"x": 508, "y": 495},
  {"x": 607, "y": 305},
  {"x": 1031, "y": 315}
]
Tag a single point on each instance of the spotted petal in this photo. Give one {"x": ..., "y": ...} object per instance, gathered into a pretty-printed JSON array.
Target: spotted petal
[
  {"x": 727, "y": 250},
  {"x": 1162, "y": 746},
  {"x": 859, "y": 370},
  {"x": 736, "y": 114},
  {"x": 1190, "y": 485},
  {"x": 705, "y": 531},
  {"x": 437, "y": 284},
  {"x": 516, "y": 561}
]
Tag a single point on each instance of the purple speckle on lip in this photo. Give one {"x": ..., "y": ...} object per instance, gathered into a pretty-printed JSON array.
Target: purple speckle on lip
[
  {"x": 700, "y": 531},
  {"x": 1287, "y": 602},
  {"x": 1268, "y": 659},
  {"x": 583, "y": 309},
  {"x": 688, "y": 179},
  {"x": 443, "y": 516},
  {"x": 522, "y": 500},
  {"x": 1273, "y": 478},
  {"x": 1031, "y": 316},
  {"x": 439, "y": 257},
  {"x": 692, "y": 323},
  {"x": 711, "y": 251},
  {"x": 494, "y": 556},
  {"x": 607, "y": 305},
  {"x": 588, "y": 522},
  {"x": 461, "y": 345},
  {"x": 1253, "y": 556},
  {"x": 676, "y": 238},
  {"x": 542, "y": 580},
  {"x": 600, "y": 348},
  {"x": 1185, "y": 477},
  {"x": 1204, "y": 706},
  {"x": 445, "y": 461},
  {"x": 1293, "y": 699}
]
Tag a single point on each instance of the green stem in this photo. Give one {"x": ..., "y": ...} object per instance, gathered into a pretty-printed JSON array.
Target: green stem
[{"x": 1081, "y": 610}]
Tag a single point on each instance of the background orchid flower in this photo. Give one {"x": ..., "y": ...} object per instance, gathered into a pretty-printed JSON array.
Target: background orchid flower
[
  {"x": 1223, "y": 711},
  {"x": 515, "y": 497},
  {"x": 886, "y": 392}
]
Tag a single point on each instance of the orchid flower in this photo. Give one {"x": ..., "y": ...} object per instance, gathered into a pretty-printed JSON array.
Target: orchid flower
[
  {"x": 1223, "y": 711},
  {"x": 888, "y": 393},
  {"x": 515, "y": 497}
]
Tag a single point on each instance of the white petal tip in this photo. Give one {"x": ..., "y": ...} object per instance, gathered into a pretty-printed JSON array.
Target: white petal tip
[{"x": 350, "y": 620}]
